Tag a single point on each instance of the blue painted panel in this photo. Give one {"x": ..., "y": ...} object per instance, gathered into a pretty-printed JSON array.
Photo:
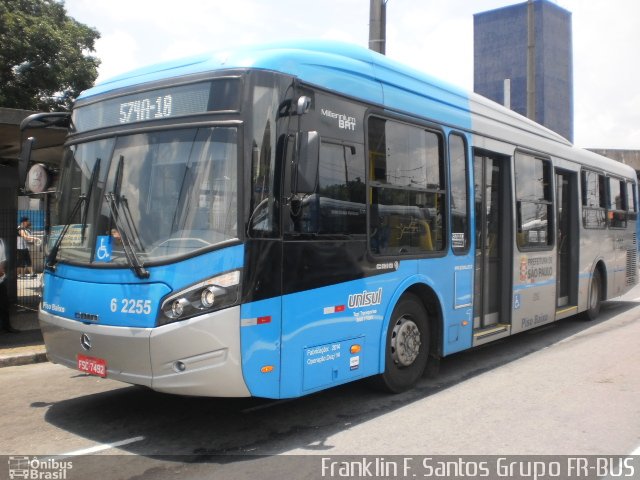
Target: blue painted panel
[
  {"x": 442, "y": 273},
  {"x": 415, "y": 92},
  {"x": 74, "y": 289},
  {"x": 176, "y": 275},
  {"x": 362, "y": 309},
  {"x": 130, "y": 305},
  {"x": 260, "y": 343},
  {"x": 333, "y": 315},
  {"x": 332, "y": 363},
  {"x": 464, "y": 285},
  {"x": 421, "y": 105}
]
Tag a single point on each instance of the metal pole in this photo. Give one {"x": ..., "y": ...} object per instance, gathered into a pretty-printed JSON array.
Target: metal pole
[
  {"x": 531, "y": 62},
  {"x": 377, "y": 25},
  {"x": 507, "y": 93}
]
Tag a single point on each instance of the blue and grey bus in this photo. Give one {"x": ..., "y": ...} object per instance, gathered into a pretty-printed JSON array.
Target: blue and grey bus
[{"x": 272, "y": 221}]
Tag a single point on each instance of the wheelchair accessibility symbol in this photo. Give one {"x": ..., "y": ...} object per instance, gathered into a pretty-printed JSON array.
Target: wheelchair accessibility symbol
[
  {"x": 517, "y": 301},
  {"x": 103, "y": 249}
]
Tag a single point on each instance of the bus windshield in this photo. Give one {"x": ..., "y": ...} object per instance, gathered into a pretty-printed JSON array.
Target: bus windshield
[{"x": 166, "y": 193}]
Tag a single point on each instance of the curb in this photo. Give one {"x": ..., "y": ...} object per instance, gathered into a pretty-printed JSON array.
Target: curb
[{"x": 27, "y": 358}]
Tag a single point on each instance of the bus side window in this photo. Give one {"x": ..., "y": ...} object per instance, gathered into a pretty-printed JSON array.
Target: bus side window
[
  {"x": 533, "y": 202},
  {"x": 459, "y": 203},
  {"x": 406, "y": 172},
  {"x": 617, "y": 203},
  {"x": 594, "y": 213},
  {"x": 337, "y": 207},
  {"x": 341, "y": 190},
  {"x": 632, "y": 205}
]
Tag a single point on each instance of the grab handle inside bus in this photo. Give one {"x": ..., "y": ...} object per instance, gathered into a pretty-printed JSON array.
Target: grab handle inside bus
[{"x": 306, "y": 174}]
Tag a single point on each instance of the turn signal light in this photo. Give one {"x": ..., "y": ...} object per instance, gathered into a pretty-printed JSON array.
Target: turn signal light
[
  {"x": 267, "y": 369},
  {"x": 355, "y": 349}
]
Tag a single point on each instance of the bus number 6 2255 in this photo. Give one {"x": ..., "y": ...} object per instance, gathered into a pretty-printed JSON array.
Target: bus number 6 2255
[{"x": 130, "y": 305}]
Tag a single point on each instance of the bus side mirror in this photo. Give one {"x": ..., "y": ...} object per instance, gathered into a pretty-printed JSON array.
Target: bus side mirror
[
  {"x": 25, "y": 158},
  {"x": 37, "y": 120},
  {"x": 303, "y": 105},
  {"x": 306, "y": 176}
]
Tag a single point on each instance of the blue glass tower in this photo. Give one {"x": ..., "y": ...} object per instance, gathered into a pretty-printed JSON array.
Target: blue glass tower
[{"x": 500, "y": 52}]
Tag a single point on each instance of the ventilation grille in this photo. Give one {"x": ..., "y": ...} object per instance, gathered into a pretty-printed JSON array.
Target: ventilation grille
[{"x": 632, "y": 266}]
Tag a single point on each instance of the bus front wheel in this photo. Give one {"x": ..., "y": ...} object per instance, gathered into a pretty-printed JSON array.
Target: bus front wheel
[
  {"x": 407, "y": 345},
  {"x": 595, "y": 296}
]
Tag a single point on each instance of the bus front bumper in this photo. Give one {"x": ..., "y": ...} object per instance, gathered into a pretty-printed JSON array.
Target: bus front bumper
[{"x": 199, "y": 356}]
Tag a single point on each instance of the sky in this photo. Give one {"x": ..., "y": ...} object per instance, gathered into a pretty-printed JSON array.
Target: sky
[{"x": 434, "y": 36}]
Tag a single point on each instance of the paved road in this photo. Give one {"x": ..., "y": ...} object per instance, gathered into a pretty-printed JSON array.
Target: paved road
[{"x": 569, "y": 388}]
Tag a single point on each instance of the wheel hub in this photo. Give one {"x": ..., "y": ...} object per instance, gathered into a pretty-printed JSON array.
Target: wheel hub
[{"x": 405, "y": 342}]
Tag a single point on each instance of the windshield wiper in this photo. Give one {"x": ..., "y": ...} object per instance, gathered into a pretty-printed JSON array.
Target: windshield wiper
[
  {"x": 127, "y": 229},
  {"x": 121, "y": 215},
  {"x": 83, "y": 198},
  {"x": 87, "y": 200}
]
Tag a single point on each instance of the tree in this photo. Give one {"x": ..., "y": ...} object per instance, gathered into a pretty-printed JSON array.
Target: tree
[{"x": 45, "y": 59}]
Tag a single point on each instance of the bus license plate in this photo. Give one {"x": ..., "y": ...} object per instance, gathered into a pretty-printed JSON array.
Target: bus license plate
[{"x": 92, "y": 365}]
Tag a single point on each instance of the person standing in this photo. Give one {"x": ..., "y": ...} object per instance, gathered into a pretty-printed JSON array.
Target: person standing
[
  {"x": 5, "y": 322},
  {"x": 24, "y": 268}
]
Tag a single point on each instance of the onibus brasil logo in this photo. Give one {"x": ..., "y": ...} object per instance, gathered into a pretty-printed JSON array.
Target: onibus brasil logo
[{"x": 38, "y": 469}]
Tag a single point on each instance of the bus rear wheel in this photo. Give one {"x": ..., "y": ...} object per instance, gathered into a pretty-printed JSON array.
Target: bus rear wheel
[
  {"x": 595, "y": 296},
  {"x": 407, "y": 345}
]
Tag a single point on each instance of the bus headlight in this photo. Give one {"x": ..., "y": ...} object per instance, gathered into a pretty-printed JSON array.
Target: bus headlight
[
  {"x": 206, "y": 296},
  {"x": 177, "y": 307}
]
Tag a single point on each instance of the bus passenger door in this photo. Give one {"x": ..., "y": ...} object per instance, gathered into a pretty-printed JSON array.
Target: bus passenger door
[
  {"x": 567, "y": 228},
  {"x": 492, "y": 286}
]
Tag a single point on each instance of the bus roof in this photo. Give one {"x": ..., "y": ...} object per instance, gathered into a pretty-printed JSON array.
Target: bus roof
[
  {"x": 314, "y": 61},
  {"x": 344, "y": 68},
  {"x": 361, "y": 73}
]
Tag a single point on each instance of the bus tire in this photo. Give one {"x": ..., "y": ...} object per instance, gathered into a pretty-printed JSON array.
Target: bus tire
[
  {"x": 406, "y": 346},
  {"x": 595, "y": 297}
]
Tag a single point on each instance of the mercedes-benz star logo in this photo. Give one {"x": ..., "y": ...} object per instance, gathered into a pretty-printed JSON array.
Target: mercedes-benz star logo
[{"x": 85, "y": 341}]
